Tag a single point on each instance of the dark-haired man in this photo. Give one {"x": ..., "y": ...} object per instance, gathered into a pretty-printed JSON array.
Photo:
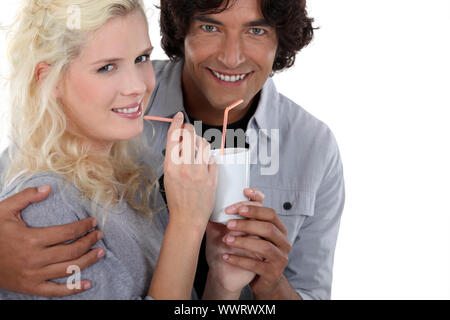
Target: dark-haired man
[{"x": 223, "y": 51}]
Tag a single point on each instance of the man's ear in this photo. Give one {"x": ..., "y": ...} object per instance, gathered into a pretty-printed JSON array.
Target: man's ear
[{"x": 42, "y": 70}]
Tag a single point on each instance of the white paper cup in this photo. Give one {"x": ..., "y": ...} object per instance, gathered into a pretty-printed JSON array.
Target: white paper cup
[{"x": 234, "y": 177}]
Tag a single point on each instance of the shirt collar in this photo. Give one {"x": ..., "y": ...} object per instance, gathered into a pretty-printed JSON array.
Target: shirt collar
[
  {"x": 267, "y": 115},
  {"x": 167, "y": 99}
]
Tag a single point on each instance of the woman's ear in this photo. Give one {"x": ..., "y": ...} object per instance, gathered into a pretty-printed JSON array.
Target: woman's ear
[{"x": 42, "y": 70}]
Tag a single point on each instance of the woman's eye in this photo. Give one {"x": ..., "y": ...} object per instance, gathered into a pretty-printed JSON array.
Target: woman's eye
[
  {"x": 106, "y": 68},
  {"x": 143, "y": 58},
  {"x": 209, "y": 28},
  {"x": 257, "y": 31}
]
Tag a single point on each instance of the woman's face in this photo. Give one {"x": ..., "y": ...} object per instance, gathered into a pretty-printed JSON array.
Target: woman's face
[{"x": 107, "y": 87}]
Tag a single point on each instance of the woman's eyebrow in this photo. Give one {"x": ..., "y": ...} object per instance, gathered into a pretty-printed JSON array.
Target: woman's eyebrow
[{"x": 149, "y": 50}]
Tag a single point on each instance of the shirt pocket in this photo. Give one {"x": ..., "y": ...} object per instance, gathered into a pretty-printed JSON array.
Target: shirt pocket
[{"x": 293, "y": 207}]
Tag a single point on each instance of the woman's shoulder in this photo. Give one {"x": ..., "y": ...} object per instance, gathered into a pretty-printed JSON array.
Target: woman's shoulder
[
  {"x": 63, "y": 205},
  {"x": 26, "y": 180}
]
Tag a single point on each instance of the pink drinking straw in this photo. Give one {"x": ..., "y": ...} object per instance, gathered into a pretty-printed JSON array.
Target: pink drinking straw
[
  {"x": 225, "y": 122},
  {"x": 158, "y": 119}
]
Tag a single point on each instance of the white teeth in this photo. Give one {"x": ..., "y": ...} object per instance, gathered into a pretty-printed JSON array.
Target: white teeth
[
  {"x": 128, "y": 110},
  {"x": 229, "y": 78}
]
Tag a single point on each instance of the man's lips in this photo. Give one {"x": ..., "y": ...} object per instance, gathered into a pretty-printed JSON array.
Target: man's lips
[{"x": 227, "y": 78}]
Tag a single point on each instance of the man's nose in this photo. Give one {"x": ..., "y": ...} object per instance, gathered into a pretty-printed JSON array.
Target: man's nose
[{"x": 232, "y": 52}]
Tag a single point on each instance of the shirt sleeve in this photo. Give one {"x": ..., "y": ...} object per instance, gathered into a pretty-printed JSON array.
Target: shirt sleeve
[
  {"x": 110, "y": 279},
  {"x": 311, "y": 258}
]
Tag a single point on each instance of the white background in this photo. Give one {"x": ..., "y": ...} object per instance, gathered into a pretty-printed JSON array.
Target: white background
[{"x": 378, "y": 73}]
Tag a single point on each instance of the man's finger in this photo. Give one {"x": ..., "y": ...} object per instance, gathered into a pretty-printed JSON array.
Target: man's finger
[
  {"x": 259, "y": 247},
  {"x": 53, "y": 290},
  {"x": 262, "y": 229},
  {"x": 257, "y": 266},
  {"x": 60, "y": 270},
  {"x": 58, "y": 234},
  {"x": 23, "y": 199},
  {"x": 254, "y": 195},
  {"x": 234, "y": 209},
  {"x": 256, "y": 198},
  {"x": 263, "y": 214},
  {"x": 73, "y": 251}
]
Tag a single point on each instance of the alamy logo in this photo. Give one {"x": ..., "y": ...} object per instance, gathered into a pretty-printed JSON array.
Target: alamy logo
[
  {"x": 264, "y": 146},
  {"x": 73, "y": 281},
  {"x": 74, "y": 18}
]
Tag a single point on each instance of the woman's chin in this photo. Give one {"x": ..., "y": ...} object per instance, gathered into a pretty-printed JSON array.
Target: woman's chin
[{"x": 136, "y": 132}]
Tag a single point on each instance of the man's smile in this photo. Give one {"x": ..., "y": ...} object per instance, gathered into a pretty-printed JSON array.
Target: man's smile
[{"x": 229, "y": 79}]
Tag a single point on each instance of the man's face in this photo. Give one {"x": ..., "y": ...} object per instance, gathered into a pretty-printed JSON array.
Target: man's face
[{"x": 229, "y": 56}]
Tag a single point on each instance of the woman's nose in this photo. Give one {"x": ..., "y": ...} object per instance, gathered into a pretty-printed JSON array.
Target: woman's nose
[{"x": 133, "y": 84}]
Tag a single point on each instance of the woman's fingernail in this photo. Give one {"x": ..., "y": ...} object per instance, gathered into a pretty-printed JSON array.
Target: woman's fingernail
[
  {"x": 226, "y": 257},
  {"x": 251, "y": 191},
  {"x": 179, "y": 116}
]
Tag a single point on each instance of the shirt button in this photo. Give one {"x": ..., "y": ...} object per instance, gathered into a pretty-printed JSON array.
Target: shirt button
[{"x": 287, "y": 206}]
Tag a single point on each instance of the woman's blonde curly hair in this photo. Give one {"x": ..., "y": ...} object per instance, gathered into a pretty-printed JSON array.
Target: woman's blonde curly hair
[{"x": 46, "y": 31}]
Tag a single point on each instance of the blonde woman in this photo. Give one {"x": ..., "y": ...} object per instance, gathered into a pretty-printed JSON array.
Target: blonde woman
[{"x": 78, "y": 91}]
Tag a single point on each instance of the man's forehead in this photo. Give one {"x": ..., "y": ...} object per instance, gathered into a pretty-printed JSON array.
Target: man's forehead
[{"x": 234, "y": 9}]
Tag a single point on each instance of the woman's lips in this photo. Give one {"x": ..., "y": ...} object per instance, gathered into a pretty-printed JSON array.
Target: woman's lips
[{"x": 133, "y": 111}]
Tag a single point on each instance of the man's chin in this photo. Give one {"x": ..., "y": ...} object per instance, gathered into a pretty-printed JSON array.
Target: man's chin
[{"x": 223, "y": 104}]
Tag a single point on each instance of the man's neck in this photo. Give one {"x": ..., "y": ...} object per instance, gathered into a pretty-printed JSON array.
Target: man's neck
[{"x": 198, "y": 107}]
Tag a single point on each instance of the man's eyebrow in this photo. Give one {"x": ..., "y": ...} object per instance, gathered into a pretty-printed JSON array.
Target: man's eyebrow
[
  {"x": 256, "y": 23},
  {"x": 207, "y": 19},
  {"x": 111, "y": 60}
]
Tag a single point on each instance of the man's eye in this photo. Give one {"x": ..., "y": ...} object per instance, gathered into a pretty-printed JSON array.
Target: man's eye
[
  {"x": 106, "y": 68},
  {"x": 257, "y": 31},
  {"x": 143, "y": 58},
  {"x": 209, "y": 28}
]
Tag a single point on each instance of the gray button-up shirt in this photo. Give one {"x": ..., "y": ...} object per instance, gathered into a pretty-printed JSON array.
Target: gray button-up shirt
[{"x": 295, "y": 163}]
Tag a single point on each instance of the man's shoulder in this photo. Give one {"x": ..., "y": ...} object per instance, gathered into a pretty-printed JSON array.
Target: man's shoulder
[
  {"x": 306, "y": 137},
  {"x": 162, "y": 67},
  {"x": 297, "y": 121}
]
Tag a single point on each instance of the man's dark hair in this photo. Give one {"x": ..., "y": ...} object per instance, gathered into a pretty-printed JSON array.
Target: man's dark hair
[{"x": 289, "y": 18}]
